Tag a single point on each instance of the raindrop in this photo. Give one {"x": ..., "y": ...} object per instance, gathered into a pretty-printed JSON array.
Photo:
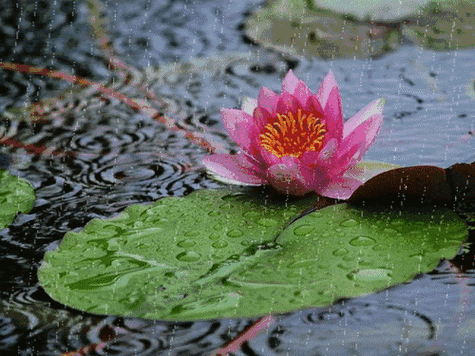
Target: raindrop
[
  {"x": 364, "y": 263},
  {"x": 218, "y": 227},
  {"x": 235, "y": 233},
  {"x": 186, "y": 243},
  {"x": 349, "y": 223},
  {"x": 220, "y": 244},
  {"x": 214, "y": 236},
  {"x": 362, "y": 241},
  {"x": 340, "y": 252},
  {"x": 303, "y": 230},
  {"x": 188, "y": 256}
]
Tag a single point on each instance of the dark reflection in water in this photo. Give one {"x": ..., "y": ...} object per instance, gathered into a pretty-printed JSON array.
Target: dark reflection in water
[{"x": 120, "y": 157}]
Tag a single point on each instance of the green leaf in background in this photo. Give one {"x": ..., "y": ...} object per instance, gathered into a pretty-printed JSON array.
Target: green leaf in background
[
  {"x": 216, "y": 254},
  {"x": 375, "y": 10},
  {"x": 16, "y": 195},
  {"x": 361, "y": 28}
]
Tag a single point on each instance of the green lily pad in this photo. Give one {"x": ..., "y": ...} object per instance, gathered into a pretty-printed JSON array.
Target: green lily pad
[
  {"x": 16, "y": 195},
  {"x": 373, "y": 10},
  {"x": 361, "y": 29},
  {"x": 217, "y": 254},
  {"x": 300, "y": 30},
  {"x": 443, "y": 25}
]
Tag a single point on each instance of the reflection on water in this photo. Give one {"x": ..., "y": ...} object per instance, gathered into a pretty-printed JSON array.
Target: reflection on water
[{"x": 123, "y": 157}]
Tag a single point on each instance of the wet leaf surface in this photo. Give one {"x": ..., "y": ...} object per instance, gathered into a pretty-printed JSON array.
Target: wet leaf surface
[
  {"x": 216, "y": 254},
  {"x": 16, "y": 195}
]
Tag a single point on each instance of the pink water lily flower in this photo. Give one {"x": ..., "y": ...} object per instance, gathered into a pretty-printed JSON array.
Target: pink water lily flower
[{"x": 297, "y": 141}]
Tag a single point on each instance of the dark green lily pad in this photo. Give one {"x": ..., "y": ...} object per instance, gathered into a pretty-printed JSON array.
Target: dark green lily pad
[
  {"x": 16, "y": 195},
  {"x": 217, "y": 254}
]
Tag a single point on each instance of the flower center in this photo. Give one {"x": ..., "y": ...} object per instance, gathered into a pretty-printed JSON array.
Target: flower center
[{"x": 293, "y": 136}]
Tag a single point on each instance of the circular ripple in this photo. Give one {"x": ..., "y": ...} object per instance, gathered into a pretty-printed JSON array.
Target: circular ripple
[
  {"x": 53, "y": 34},
  {"x": 134, "y": 169}
]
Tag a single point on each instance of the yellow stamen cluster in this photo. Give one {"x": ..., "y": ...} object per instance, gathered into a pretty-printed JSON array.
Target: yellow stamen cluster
[{"x": 292, "y": 136}]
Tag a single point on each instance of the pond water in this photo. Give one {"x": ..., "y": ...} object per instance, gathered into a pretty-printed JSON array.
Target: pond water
[{"x": 193, "y": 56}]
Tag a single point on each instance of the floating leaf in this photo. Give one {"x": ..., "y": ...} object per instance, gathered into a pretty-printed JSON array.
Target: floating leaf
[
  {"x": 361, "y": 28},
  {"x": 16, "y": 195},
  {"x": 373, "y": 10},
  {"x": 442, "y": 25},
  {"x": 408, "y": 183},
  {"x": 299, "y": 30},
  {"x": 419, "y": 184},
  {"x": 217, "y": 254},
  {"x": 462, "y": 179}
]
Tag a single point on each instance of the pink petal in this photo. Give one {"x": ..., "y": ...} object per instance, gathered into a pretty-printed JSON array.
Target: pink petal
[
  {"x": 347, "y": 158},
  {"x": 340, "y": 188},
  {"x": 374, "y": 109},
  {"x": 268, "y": 99},
  {"x": 334, "y": 121},
  {"x": 310, "y": 158},
  {"x": 237, "y": 168},
  {"x": 363, "y": 135},
  {"x": 238, "y": 124},
  {"x": 287, "y": 103},
  {"x": 261, "y": 118},
  {"x": 290, "y": 82},
  {"x": 333, "y": 114},
  {"x": 302, "y": 93},
  {"x": 267, "y": 157},
  {"x": 328, "y": 151},
  {"x": 248, "y": 105},
  {"x": 290, "y": 177},
  {"x": 313, "y": 106},
  {"x": 325, "y": 88},
  {"x": 322, "y": 160}
]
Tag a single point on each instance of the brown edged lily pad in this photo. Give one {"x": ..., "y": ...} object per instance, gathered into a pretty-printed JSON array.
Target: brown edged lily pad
[
  {"x": 462, "y": 179},
  {"x": 419, "y": 184}
]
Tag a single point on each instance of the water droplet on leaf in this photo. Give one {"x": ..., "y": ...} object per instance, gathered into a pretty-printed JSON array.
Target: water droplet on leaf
[
  {"x": 303, "y": 230},
  {"x": 235, "y": 233},
  {"x": 340, "y": 252},
  {"x": 349, "y": 223},
  {"x": 362, "y": 241},
  {"x": 188, "y": 256},
  {"x": 186, "y": 243},
  {"x": 220, "y": 244}
]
